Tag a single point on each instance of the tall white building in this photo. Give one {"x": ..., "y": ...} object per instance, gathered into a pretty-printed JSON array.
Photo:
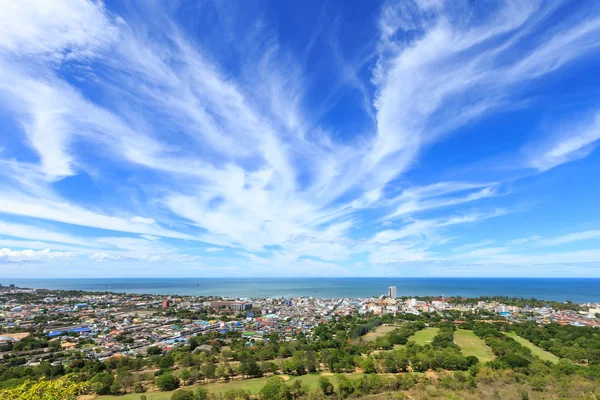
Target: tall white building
[{"x": 392, "y": 292}]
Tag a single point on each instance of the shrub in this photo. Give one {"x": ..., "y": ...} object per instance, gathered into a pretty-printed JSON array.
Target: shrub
[
  {"x": 326, "y": 386},
  {"x": 64, "y": 388},
  {"x": 201, "y": 393},
  {"x": 183, "y": 395},
  {"x": 167, "y": 381}
]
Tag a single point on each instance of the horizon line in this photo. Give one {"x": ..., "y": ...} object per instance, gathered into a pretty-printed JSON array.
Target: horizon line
[{"x": 316, "y": 277}]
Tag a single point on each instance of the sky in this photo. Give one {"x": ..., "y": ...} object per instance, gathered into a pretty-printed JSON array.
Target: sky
[{"x": 303, "y": 139}]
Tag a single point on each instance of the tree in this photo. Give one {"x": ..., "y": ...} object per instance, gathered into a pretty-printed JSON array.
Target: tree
[
  {"x": 311, "y": 361},
  {"x": 274, "y": 389},
  {"x": 344, "y": 386},
  {"x": 222, "y": 372},
  {"x": 194, "y": 342},
  {"x": 167, "y": 381},
  {"x": 125, "y": 380},
  {"x": 208, "y": 370},
  {"x": 250, "y": 368},
  {"x": 185, "y": 376},
  {"x": 166, "y": 361},
  {"x": 368, "y": 366},
  {"x": 102, "y": 381},
  {"x": 326, "y": 386},
  {"x": 153, "y": 350},
  {"x": 296, "y": 390}
]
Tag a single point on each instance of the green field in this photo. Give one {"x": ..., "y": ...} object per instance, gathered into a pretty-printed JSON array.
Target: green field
[
  {"x": 252, "y": 385},
  {"x": 424, "y": 336},
  {"x": 381, "y": 330},
  {"x": 541, "y": 353},
  {"x": 471, "y": 345}
]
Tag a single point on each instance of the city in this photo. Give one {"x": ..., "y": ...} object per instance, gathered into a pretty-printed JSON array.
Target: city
[{"x": 109, "y": 324}]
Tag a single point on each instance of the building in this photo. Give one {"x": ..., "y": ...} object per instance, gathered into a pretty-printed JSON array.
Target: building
[
  {"x": 232, "y": 305},
  {"x": 166, "y": 303},
  {"x": 67, "y": 330},
  {"x": 392, "y": 292}
]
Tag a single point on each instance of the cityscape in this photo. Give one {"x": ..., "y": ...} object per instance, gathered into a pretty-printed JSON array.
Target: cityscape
[
  {"x": 150, "y": 320},
  {"x": 67, "y": 332}
]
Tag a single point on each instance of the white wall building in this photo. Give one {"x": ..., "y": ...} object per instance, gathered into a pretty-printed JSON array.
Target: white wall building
[{"x": 392, "y": 292}]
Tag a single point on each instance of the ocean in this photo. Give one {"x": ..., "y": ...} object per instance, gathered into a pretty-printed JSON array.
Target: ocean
[{"x": 578, "y": 290}]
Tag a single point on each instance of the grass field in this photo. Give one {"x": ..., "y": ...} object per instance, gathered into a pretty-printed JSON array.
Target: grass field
[
  {"x": 424, "y": 336},
  {"x": 541, "y": 353},
  {"x": 471, "y": 345},
  {"x": 381, "y": 330},
  {"x": 252, "y": 385}
]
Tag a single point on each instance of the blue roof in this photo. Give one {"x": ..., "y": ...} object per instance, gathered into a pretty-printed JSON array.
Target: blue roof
[{"x": 73, "y": 330}]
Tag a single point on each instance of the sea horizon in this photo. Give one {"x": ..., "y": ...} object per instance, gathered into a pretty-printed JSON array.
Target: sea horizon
[{"x": 558, "y": 289}]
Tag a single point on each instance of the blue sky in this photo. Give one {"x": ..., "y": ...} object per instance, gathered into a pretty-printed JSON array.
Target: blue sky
[{"x": 336, "y": 138}]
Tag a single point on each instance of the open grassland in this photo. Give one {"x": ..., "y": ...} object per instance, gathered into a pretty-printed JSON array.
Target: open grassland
[
  {"x": 424, "y": 336},
  {"x": 471, "y": 345},
  {"x": 252, "y": 385},
  {"x": 381, "y": 330},
  {"x": 421, "y": 338},
  {"x": 541, "y": 353}
]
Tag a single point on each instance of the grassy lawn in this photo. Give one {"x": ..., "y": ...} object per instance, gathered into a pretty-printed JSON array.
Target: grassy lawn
[
  {"x": 541, "y": 353},
  {"x": 471, "y": 345},
  {"x": 252, "y": 385},
  {"x": 424, "y": 336},
  {"x": 381, "y": 330}
]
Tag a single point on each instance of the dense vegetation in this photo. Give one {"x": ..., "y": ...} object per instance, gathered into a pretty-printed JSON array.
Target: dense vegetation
[{"x": 577, "y": 343}]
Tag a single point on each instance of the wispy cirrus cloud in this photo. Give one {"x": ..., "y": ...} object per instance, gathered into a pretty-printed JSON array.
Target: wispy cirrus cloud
[
  {"x": 190, "y": 149},
  {"x": 570, "y": 142}
]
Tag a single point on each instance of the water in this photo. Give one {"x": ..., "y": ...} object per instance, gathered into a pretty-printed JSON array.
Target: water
[{"x": 559, "y": 289}]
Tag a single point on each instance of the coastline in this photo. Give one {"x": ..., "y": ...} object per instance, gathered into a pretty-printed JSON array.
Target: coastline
[{"x": 579, "y": 290}]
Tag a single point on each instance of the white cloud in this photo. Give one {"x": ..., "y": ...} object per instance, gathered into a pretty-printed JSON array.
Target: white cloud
[
  {"x": 557, "y": 240},
  {"x": 516, "y": 242},
  {"x": 570, "y": 238},
  {"x": 472, "y": 246},
  {"x": 55, "y": 29},
  {"x": 71, "y": 214},
  {"x": 142, "y": 220},
  {"x": 8, "y": 256},
  {"x": 37, "y": 233},
  {"x": 572, "y": 142},
  {"x": 414, "y": 205}
]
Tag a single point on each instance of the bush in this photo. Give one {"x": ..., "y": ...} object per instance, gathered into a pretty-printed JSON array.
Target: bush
[
  {"x": 515, "y": 360},
  {"x": 326, "y": 386},
  {"x": 138, "y": 387},
  {"x": 201, "y": 393},
  {"x": 183, "y": 395},
  {"x": 65, "y": 388},
  {"x": 167, "y": 381}
]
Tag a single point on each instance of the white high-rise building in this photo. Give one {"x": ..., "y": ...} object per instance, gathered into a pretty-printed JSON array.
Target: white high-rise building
[{"x": 392, "y": 292}]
